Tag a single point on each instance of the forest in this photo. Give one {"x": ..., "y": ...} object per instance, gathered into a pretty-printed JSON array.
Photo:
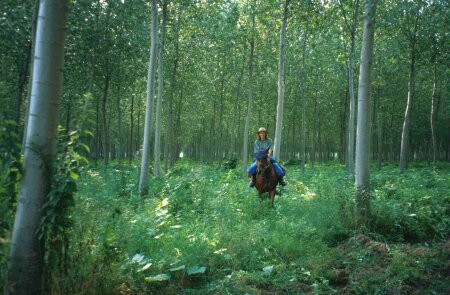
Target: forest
[{"x": 127, "y": 128}]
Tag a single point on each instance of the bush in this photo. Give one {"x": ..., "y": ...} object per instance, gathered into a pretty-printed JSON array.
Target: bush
[{"x": 230, "y": 162}]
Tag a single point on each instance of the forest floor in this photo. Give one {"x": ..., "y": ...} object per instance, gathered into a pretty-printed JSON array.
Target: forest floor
[{"x": 201, "y": 230}]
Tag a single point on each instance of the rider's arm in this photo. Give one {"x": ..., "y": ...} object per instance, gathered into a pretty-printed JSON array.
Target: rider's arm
[{"x": 270, "y": 147}]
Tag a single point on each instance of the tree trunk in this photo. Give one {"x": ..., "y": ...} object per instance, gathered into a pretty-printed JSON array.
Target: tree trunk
[
  {"x": 26, "y": 254},
  {"x": 212, "y": 128},
  {"x": 130, "y": 148},
  {"x": 250, "y": 91},
  {"x": 169, "y": 145},
  {"x": 177, "y": 129},
  {"x": 314, "y": 131},
  {"x": 105, "y": 121},
  {"x": 351, "y": 118},
  {"x": 157, "y": 169},
  {"x": 121, "y": 141},
  {"x": 97, "y": 130},
  {"x": 303, "y": 103},
  {"x": 405, "y": 149},
  {"x": 281, "y": 88},
  {"x": 138, "y": 129},
  {"x": 68, "y": 115},
  {"x": 432, "y": 114},
  {"x": 379, "y": 129},
  {"x": 220, "y": 146},
  {"x": 145, "y": 164},
  {"x": 173, "y": 84},
  {"x": 236, "y": 106},
  {"x": 30, "y": 81},
  {"x": 362, "y": 171}
]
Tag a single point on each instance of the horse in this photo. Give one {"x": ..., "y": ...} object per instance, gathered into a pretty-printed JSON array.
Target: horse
[{"x": 266, "y": 179}]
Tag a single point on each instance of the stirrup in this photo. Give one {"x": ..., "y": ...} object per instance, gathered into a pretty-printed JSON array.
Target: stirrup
[{"x": 282, "y": 182}]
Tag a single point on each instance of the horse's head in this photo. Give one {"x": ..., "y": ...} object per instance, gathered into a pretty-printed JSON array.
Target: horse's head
[{"x": 262, "y": 161}]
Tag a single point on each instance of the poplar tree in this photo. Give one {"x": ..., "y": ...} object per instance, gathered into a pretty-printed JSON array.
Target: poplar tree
[
  {"x": 145, "y": 164},
  {"x": 362, "y": 171},
  {"x": 26, "y": 254},
  {"x": 281, "y": 87}
]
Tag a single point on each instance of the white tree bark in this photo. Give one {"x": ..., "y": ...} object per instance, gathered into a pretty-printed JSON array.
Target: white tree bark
[
  {"x": 303, "y": 104},
  {"x": 157, "y": 168},
  {"x": 405, "y": 143},
  {"x": 351, "y": 117},
  {"x": 281, "y": 88},
  {"x": 432, "y": 117},
  {"x": 26, "y": 252},
  {"x": 145, "y": 164},
  {"x": 250, "y": 92},
  {"x": 33, "y": 44},
  {"x": 362, "y": 172}
]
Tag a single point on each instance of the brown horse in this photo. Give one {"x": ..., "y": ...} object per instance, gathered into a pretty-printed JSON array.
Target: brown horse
[{"x": 266, "y": 179}]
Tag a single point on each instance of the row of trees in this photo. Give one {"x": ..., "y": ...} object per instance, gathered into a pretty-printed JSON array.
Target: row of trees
[
  {"x": 210, "y": 49},
  {"x": 206, "y": 49}
]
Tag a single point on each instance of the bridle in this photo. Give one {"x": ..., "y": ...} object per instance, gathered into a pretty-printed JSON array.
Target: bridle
[{"x": 261, "y": 169}]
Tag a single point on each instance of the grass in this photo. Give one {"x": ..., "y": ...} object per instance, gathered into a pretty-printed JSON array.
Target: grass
[{"x": 201, "y": 230}]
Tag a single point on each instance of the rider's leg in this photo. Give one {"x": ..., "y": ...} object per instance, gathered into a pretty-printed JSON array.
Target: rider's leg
[
  {"x": 280, "y": 173},
  {"x": 251, "y": 173}
]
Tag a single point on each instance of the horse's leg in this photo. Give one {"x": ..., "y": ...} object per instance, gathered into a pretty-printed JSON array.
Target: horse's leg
[{"x": 272, "y": 197}]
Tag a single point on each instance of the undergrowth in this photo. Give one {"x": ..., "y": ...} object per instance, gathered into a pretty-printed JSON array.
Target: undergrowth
[{"x": 201, "y": 230}]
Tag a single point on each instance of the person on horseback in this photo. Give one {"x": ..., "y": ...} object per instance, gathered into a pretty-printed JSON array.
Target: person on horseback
[{"x": 262, "y": 142}]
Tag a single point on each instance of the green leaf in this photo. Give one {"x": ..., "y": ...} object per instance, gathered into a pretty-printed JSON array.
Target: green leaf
[
  {"x": 137, "y": 258},
  {"x": 87, "y": 132},
  {"x": 74, "y": 175},
  {"x": 158, "y": 278},
  {"x": 196, "y": 270},
  {"x": 145, "y": 267},
  {"x": 268, "y": 269},
  {"x": 86, "y": 147},
  {"x": 181, "y": 267}
]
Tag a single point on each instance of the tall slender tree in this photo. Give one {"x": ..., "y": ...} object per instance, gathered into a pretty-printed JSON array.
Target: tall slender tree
[
  {"x": 33, "y": 44},
  {"x": 351, "y": 27},
  {"x": 250, "y": 87},
  {"x": 145, "y": 164},
  {"x": 157, "y": 168},
  {"x": 26, "y": 254},
  {"x": 362, "y": 171},
  {"x": 303, "y": 103},
  {"x": 405, "y": 141},
  {"x": 281, "y": 86}
]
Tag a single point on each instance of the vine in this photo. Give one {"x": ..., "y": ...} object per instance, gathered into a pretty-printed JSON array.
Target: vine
[
  {"x": 10, "y": 175},
  {"x": 55, "y": 226}
]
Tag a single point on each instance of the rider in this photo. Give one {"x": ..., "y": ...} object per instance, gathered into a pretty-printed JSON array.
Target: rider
[{"x": 264, "y": 143}]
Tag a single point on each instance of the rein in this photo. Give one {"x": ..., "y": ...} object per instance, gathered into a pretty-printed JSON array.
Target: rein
[{"x": 261, "y": 171}]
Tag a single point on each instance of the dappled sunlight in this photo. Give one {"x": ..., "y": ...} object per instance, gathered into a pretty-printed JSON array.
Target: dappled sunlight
[
  {"x": 93, "y": 173},
  {"x": 210, "y": 224}
]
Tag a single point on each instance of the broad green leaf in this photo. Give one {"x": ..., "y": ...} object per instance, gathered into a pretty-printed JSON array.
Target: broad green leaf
[
  {"x": 137, "y": 258},
  {"x": 181, "y": 267},
  {"x": 158, "y": 278},
  {"x": 74, "y": 175},
  {"x": 86, "y": 147},
  {"x": 196, "y": 270},
  {"x": 145, "y": 267}
]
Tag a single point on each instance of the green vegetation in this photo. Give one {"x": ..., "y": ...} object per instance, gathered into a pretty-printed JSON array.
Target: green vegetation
[{"x": 201, "y": 230}]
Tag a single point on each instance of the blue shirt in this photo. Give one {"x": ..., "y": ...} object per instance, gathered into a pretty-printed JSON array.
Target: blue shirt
[{"x": 262, "y": 145}]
